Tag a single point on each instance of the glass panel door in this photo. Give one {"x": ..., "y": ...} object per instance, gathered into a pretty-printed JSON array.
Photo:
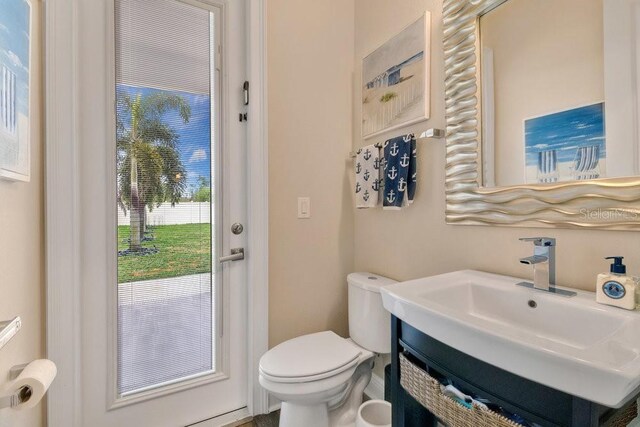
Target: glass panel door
[
  {"x": 160, "y": 178},
  {"x": 165, "y": 157}
]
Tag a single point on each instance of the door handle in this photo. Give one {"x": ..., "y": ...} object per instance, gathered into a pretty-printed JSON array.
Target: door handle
[{"x": 237, "y": 254}]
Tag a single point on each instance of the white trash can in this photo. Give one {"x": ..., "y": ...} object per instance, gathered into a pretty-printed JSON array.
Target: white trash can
[{"x": 374, "y": 413}]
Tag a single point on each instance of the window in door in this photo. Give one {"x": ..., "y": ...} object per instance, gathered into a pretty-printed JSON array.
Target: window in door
[{"x": 166, "y": 150}]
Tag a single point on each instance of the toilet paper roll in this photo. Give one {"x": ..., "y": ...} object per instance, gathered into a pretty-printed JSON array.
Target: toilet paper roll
[{"x": 37, "y": 376}]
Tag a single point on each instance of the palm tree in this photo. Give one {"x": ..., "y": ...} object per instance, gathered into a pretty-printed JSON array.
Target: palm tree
[
  {"x": 149, "y": 167},
  {"x": 203, "y": 192}
]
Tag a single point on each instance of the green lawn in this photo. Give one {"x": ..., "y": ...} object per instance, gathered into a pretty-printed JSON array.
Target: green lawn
[{"x": 184, "y": 249}]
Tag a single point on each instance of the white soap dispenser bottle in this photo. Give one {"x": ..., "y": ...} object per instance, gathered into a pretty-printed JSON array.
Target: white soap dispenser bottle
[{"x": 616, "y": 288}]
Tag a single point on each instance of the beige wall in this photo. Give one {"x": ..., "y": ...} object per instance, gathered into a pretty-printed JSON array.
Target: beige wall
[
  {"x": 310, "y": 60},
  {"x": 549, "y": 53},
  {"x": 416, "y": 242},
  {"x": 22, "y": 252},
  {"x": 313, "y": 124}
]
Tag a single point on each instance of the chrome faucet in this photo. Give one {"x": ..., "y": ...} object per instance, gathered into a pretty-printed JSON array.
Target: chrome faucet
[{"x": 544, "y": 265}]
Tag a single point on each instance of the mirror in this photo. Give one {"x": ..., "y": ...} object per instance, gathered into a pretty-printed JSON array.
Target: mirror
[
  {"x": 542, "y": 112},
  {"x": 543, "y": 94}
]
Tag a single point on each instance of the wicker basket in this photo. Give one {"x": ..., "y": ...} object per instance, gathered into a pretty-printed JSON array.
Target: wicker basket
[{"x": 426, "y": 390}]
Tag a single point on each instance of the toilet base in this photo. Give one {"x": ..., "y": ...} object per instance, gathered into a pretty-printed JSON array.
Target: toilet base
[
  {"x": 292, "y": 415},
  {"x": 344, "y": 414},
  {"x": 339, "y": 412}
]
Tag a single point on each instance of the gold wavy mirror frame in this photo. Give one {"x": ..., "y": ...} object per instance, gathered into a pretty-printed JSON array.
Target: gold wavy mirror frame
[{"x": 599, "y": 204}]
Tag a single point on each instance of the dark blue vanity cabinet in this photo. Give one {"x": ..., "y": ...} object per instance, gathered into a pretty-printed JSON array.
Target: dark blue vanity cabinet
[{"x": 532, "y": 401}]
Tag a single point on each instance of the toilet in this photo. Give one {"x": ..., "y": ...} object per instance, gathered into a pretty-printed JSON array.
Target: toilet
[{"x": 320, "y": 378}]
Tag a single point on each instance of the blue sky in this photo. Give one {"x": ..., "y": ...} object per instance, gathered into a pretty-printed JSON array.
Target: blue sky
[
  {"x": 14, "y": 47},
  {"x": 565, "y": 131},
  {"x": 194, "y": 141}
]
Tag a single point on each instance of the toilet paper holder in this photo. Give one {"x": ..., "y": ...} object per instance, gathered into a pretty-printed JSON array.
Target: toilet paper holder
[
  {"x": 16, "y": 370},
  {"x": 21, "y": 395}
]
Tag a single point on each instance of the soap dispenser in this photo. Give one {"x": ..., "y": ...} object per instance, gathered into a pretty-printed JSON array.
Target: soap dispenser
[{"x": 616, "y": 288}]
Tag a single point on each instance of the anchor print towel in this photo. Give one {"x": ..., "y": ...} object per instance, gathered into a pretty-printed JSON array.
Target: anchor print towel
[
  {"x": 413, "y": 172},
  {"x": 400, "y": 172},
  {"x": 367, "y": 177}
]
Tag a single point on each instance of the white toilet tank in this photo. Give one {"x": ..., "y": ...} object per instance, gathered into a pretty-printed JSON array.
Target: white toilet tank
[{"x": 369, "y": 322}]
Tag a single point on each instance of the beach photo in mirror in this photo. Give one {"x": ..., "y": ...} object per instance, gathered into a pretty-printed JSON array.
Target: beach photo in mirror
[{"x": 566, "y": 146}]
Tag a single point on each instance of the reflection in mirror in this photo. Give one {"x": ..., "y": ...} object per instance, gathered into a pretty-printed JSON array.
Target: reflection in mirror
[{"x": 550, "y": 111}]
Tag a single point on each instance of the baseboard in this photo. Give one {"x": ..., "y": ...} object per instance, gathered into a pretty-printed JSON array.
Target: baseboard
[
  {"x": 375, "y": 389},
  {"x": 231, "y": 419}
]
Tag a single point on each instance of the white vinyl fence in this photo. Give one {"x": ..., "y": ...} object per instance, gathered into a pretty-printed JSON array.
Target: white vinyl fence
[{"x": 181, "y": 213}]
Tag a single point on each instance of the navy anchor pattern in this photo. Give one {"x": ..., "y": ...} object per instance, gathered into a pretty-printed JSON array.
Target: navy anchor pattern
[
  {"x": 368, "y": 166},
  {"x": 412, "y": 182},
  {"x": 399, "y": 171}
]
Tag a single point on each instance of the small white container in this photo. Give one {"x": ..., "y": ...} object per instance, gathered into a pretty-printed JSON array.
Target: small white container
[{"x": 374, "y": 413}]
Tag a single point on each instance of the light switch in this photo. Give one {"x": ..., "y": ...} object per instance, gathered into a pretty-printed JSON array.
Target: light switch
[{"x": 304, "y": 207}]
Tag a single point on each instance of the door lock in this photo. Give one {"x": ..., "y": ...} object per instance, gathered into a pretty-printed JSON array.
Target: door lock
[{"x": 237, "y": 228}]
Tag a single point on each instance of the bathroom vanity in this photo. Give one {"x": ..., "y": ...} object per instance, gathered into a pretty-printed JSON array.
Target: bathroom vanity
[
  {"x": 532, "y": 401},
  {"x": 550, "y": 359}
]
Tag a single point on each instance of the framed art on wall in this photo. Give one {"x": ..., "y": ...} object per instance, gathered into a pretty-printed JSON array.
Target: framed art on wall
[
  {"x": 395, "y": 80},
  {"x": 15, "y": 89}
]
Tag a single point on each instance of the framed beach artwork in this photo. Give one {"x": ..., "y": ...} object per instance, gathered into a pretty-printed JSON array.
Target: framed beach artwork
[
  {"x": 15, "y": 55},
  {"x": 568, "y": 145},
  {"x": 395, "y": 80}
]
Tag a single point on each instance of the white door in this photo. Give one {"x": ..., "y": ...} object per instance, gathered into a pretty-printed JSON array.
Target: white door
[{"x": 162, "y": 180}]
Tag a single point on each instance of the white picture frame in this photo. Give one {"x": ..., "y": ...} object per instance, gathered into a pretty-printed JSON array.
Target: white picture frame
[
  {"x": 16, "y": 30},
  {"x": 395, "y": 89}
]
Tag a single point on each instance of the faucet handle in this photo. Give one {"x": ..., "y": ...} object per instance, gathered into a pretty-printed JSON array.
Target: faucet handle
[{"x": 540, "y": 241}]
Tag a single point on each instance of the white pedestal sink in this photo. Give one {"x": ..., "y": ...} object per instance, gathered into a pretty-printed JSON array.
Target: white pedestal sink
[{"x": 571, "y": 344}]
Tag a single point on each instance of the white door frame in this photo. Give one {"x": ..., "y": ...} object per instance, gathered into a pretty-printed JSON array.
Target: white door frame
[
  {"x": 258, "y": 206},
  {"x": 63, "y": 293}
]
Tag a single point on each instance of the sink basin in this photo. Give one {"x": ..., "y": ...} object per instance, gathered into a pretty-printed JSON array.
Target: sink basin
[{"x": 571, "y": 344}]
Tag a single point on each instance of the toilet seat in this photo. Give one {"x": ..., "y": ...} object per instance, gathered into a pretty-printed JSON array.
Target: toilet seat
[{"x": 309, "y": 358}]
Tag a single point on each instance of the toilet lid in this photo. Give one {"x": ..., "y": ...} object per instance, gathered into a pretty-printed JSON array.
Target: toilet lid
[{"x": 317, "y": 356}]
